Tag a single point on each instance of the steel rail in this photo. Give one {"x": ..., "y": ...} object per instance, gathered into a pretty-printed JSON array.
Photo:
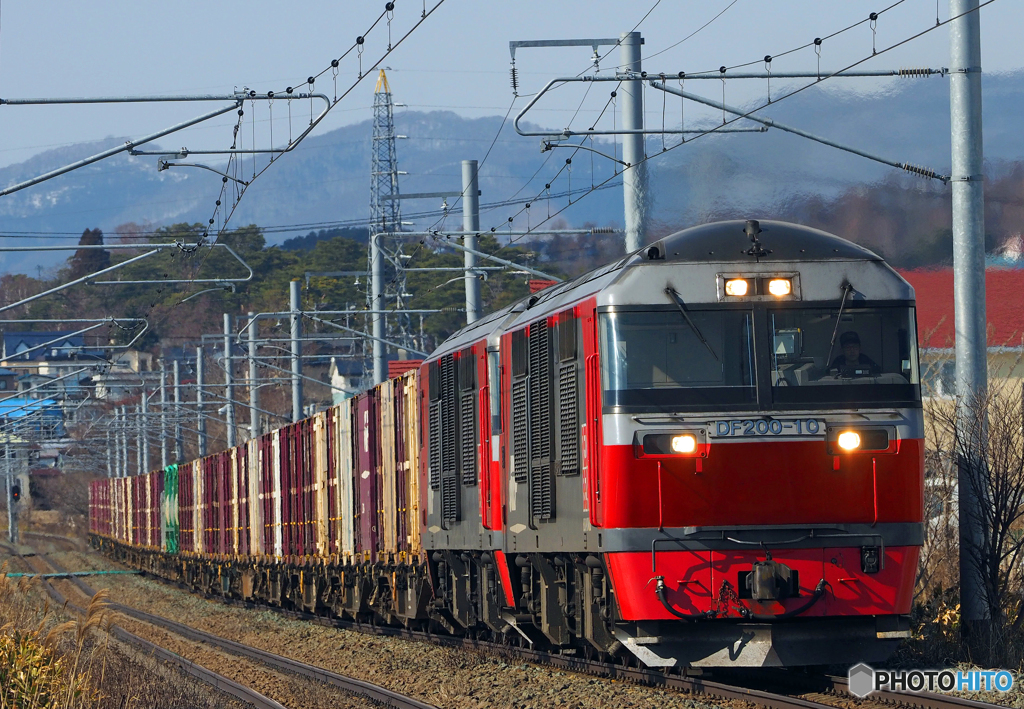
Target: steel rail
[
  {"x": 924, "y": 700},
  {"x": 373, "y": 692},
  {"x": 694, "y": 685},
  {"x": 217, "y": 681}
]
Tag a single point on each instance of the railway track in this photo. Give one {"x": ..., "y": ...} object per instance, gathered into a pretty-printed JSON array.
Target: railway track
[
  {"x": 363, "y": 690},
  {"x": 793, "y": 691},
  {"x": 372, "y": 692},
  {"x": 217, "y": 681},
  {"x": 774, "y": 689}
]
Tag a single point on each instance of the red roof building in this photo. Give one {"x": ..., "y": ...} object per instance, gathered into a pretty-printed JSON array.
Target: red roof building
[
  {"x": 1004, "y": 306},
  {"x": 398, "y": 367}
]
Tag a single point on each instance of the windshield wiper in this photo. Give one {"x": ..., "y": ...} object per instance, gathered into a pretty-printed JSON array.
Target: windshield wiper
[
  {"x": 847, "y": 289},
  {"x": 677, "y": 299}
]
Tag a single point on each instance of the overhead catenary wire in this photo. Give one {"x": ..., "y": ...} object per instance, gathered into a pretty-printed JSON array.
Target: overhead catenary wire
[{"x": 792, "y": 93}]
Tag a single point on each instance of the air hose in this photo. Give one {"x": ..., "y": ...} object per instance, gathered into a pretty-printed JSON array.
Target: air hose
[
  {"x": 819, "y": 591},
  {"x": 659, "y": 590}
]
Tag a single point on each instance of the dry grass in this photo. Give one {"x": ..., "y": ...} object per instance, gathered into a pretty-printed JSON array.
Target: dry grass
[{"x": 49, "y": 661}]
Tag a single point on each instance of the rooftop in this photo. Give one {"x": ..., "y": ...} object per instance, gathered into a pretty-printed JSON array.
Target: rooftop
[{"x": 1004, "y": 305}]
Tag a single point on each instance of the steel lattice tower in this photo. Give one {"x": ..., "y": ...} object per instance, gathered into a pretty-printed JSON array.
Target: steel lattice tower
[
  {"x": 385, "y": 214},
  {"x": 385, "y": 252}
]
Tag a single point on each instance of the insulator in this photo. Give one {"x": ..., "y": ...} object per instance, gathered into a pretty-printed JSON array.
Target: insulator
[
  {"x": 914, "y": 72},
  {"x": 515, "y": 79},
  {"x": 922, "y": 171}
]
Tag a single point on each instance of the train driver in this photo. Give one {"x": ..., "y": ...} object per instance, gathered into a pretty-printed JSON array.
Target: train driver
[{"x": 853, "y": 362}]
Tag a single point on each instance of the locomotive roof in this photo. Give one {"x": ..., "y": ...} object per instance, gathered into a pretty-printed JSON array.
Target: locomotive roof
[
  {"x": 718, "y": 242},
  {"x": 780, "y": 241}
]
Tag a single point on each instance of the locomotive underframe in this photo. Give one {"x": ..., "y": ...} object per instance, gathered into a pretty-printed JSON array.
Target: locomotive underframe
[{"x": 562, "y": 602}]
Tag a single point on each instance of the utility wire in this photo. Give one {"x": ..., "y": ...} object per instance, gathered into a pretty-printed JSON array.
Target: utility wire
[
  {"x": 673, "y": 46},
  {"x": 758, "y": 108}
]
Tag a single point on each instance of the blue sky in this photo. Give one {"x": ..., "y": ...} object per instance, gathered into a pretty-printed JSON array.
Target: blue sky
[{"x": 458, "y": 59}]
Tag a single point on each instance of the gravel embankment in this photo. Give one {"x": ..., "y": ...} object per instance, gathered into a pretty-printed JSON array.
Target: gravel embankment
[
  {"x": 289, "y": 690},
  {"x": 448, "y": 678}
]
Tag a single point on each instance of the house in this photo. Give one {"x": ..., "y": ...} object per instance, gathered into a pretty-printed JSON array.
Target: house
[
  {"x": 36, "y": 419},
  {"x": 1004, "y": 306},
  {"x": 8, "y": 380}
]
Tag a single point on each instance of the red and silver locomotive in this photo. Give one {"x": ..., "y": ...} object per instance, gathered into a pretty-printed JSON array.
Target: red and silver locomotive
[{"x": 708, "y": 453}]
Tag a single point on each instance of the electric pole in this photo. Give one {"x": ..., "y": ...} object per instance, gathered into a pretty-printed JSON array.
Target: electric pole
[
  {"x": 144, "y": 407},
  {"x": 254, "y": 389},
  {"x": 295, "y": 301},
  {"x": 12, "y": 493},
  {"x": 179, "y": 454},
  {"x": 229, "y": 407},
  {"x": 163, "y": 415},
  {"x": 470, "y": 227},
  {"x": 200, "y": 414},
  {"x": 634, "y": 176},
  {"x": 969, "y": 293}
]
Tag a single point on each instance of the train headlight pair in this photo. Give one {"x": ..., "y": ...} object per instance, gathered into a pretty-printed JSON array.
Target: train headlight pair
[{"x": 740, "y": 287}]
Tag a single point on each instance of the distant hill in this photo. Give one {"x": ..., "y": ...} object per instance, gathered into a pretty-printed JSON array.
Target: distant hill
[{"x": 326, "y": 181}]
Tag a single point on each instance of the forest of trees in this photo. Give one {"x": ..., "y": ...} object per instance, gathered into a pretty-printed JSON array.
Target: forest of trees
[
  {"x": 179, "y": 313},
  {"x": 904, "y": 219}
]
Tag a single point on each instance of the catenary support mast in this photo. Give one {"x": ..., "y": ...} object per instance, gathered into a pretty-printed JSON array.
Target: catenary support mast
[{"x": 968, "y": 283}]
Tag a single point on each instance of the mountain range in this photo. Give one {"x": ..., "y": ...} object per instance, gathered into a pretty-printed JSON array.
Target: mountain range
[{"x": 325, "y": 181}]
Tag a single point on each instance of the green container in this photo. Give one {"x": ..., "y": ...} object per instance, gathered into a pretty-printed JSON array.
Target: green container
[{"x": 169, "y": 508}]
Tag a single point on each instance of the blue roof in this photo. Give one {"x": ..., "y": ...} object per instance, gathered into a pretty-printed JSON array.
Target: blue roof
[
  {"x": 18, "y": 406},
  {"x": 62, "y": 340}
]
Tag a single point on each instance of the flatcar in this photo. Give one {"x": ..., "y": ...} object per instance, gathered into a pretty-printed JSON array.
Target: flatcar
[{"x": 708, "y": 453}]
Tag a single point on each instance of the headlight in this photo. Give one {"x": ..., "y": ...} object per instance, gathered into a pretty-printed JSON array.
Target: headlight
[
  {"x": 849, "y": 440},
  {"x": 684, "y": 443},
  {"x": 780, "y": 287},
  {"x": 737, "y": 287}
]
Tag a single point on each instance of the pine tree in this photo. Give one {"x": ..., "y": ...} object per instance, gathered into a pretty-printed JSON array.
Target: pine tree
[{"x": 86, "y": 261}]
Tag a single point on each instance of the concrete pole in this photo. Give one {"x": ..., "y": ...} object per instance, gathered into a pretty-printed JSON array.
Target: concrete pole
[
  {"x": 470, "y": 227},
  {"x": 179, "y": 454},
  {"x": 139, "y": 468},
  {"x": 254, "y": 389},
  {"x": 200, "y": 414},
  {"x": 634, "y": 177},
  {"x": 163, "y": 415},
  {"x": 380, "y": 356},
  {"x": 295, "y": 302},
  {"x": 968, "y": 282},
  {"x": 124, "y": 439},
  {"x": 110, "y": 461},
  {"x": 12, "y": 514},
  {"x": 115, "y": 425},
  {"x": 229, "y": 394},
  {"x": 144, "y": 430}
]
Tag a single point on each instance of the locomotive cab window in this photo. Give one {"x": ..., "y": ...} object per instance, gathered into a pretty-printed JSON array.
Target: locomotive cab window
[
  {"x": 651, "y": 360},
  {"x": 859, "y": 355}
]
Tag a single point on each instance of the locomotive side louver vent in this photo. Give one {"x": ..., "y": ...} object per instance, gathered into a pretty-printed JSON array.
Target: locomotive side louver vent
[
  {"x": 520, "y": 432},
  {"x": 568, "y": 396},
  {"x": 449, "y": 441},
  {"x": 435, "y": 445},
  {"x": 467, "y": 417},
  {"x": 467, "y": 430},
  {"x": 450, "y": 499},
  {"x": 449, "y": 438},
  {"x": 542, "y": 494},
  {"x": 541, "y": 484},
  {"x": 568, "y": 420}
]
